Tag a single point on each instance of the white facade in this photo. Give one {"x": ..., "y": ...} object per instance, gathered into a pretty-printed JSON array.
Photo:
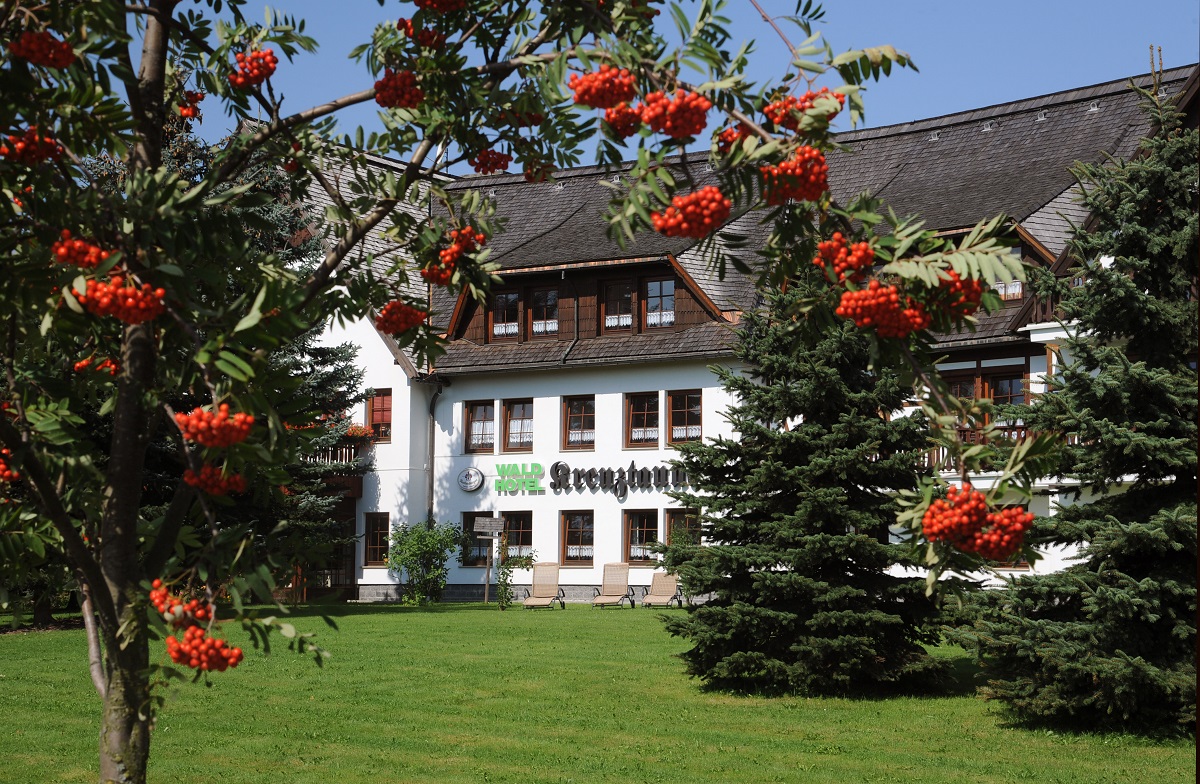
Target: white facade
[{"x": 399, "y": 483}]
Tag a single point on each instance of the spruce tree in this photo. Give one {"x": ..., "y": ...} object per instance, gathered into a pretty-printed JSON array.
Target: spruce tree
[
  {"x": 1109, "y": 643},
  {"x": 795, "y": 512}
]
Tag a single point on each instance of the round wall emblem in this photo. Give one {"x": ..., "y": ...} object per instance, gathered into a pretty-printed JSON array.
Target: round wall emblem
[{"x": 470, "y": 479}]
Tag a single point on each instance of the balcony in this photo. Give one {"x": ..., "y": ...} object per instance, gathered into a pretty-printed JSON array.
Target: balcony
[{"x": 970, "y": 436}]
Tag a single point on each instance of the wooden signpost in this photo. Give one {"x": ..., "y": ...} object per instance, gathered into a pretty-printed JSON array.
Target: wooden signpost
[{"x": 491, "y": 528}]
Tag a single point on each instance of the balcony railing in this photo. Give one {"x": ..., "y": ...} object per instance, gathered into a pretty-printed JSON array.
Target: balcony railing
[
  {"x": 338, "y": 453},
  {"x": 971, "y": 436}
]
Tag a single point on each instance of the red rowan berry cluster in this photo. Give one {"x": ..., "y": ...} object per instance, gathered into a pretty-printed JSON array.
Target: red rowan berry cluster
[
  {"x": 847, "y": 261},
  {"x": 965, "y": 523},
  {"x": 679, "y": 118},
  {"x": 79, "y": 252},
  {"x": 112, "y": 366},
  {"x": 441, "y": 6},
  {"x": 215, "y": 430},
  {"x": 129, "y": 304},
  {"x": 31, "y": 147},
  {"x": 201, "y": 652},
  {"x": 624, "y": 120},
  {"x": 17, "y": 201},
  {"x": 880, "y": 307},
  {"x": 213, "y": 480},
  {"x": 293, "y": 163},
  {"x": 490, "y": 161},
  {"x": 190, "y": 107},
  {"x": 803, "y": 178},
  {"x": 438, "y": 273},
  {"x": 523, "y": 119},
  {"x": 695, "y": 215},
  {"x": 603, "y": 89},
  {"x": 42, "y": 48},
  {"x": 537, "y": 171},
  {"x": 254, "y": 68},
  {"x": 961, "y": 296},
  {"x": 398, "y": 90},
  {"x": 462, "y": 241},
  {"x": 785, "y": 113},
  {"x": 428, "y": 39},
  {"x": 175, "y": 611},
  {"x": 731, "y": 136},
  {"x": 397, "y": 317},
  {"x": 7, "y": 473}
]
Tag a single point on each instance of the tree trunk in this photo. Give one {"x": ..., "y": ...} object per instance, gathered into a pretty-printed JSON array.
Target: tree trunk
[
  {"x": 43, "y": 609},
  {"x": 126, "y": 720}
]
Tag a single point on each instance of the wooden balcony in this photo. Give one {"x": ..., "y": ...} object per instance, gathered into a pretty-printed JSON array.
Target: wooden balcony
[
  {"x": 970, "y": 436},
  {"x": 338, "y": 453}
]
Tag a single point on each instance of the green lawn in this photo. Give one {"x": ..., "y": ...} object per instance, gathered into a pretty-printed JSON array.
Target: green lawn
[{"x": 460, "y": 693}]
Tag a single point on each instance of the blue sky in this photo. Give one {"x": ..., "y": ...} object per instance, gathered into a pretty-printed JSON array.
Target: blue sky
[{"x": 969, "y": 53}]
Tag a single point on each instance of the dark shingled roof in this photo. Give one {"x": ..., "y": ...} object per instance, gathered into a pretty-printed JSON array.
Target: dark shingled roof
[
  {"x": 1010, "y": 158},
  {"x": 703, "y": 341},
  {"x": 952, "y": 170}
]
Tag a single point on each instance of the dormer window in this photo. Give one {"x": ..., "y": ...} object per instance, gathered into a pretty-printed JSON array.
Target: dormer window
[
  {"x": 660, "y": 303},
  {"x": 1013, "y": 289},
  {"x": 618, "y": 306},
  {"x": 543, "y": 313},
  {"x": 506, "y": 308}
]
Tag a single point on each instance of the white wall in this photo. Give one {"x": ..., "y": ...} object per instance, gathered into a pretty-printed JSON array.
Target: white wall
[{"x": 547, "y": 388}]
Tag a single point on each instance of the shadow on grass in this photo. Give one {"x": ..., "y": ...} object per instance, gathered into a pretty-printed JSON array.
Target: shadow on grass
[{"x": 339, "y": 609}]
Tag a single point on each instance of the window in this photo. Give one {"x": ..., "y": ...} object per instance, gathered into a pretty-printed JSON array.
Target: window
[
  {"x": 379, "y": 415},
  {"x": 963, "y": 388},
  {"x": 579, "y": 422},
  {"x": 506, "y": 307},
  {"x": 618, "y": 306},
  {"x": 641, "y": 533},
  {"x": 476, "y": 552},
  {"x": 660, "y": 303},
  {"x": 375, "y": 538},
  {"x": 518, "y": 425},
  {"x": 1012, "y": 290},
  {"x": 518, "y": 534},
  {"x": 1007, "y": 391},
  {"x": 577, "y": 538},
  {"x": 481, "y": 426},
  {"x": 543, "y": 313},
  {"x": 683, "y": 526},
  {"x": 641, "y": 419},
  {"x": 684, "y": 411}
]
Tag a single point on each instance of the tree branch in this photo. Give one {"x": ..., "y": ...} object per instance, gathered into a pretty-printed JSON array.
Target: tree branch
[
  {"x": 51, "y": 506},
  {"x": 320, "y": 277},
  {"x": 95, "y": 659}
]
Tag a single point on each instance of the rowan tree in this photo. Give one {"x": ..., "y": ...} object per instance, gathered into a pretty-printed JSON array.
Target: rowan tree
[
  {"x": 1110, "y": 641},
  {"x": 163, "y": 280}
]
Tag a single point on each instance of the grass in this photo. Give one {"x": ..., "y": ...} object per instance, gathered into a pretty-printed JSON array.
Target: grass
[{"x": 459, "y": 693}]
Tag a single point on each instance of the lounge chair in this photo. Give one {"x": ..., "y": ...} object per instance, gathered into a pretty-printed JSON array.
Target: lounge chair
[
  {"x": 615, "y": 587},
  {"x": 664, "y": 589},
  {"x": 545, "y": 587}
]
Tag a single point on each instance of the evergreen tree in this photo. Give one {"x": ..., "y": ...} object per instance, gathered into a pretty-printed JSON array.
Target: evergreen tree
[
  {"x": 795, "y": 513},
  {"x": 1109, "y": 643}
]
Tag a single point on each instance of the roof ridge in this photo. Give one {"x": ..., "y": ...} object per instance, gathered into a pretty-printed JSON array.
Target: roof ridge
[{"x": 969, "y": 116}]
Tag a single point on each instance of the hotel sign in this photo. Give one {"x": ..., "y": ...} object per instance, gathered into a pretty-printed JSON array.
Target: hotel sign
[
  {"x": 527, "y": 477},
  {"x": 519, "y": 477}
]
